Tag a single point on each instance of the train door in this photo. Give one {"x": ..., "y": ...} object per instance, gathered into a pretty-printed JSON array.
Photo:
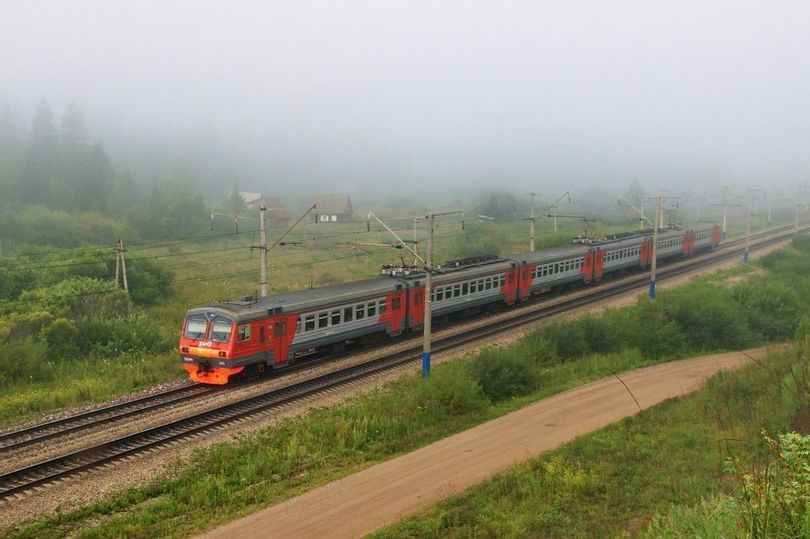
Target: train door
[
  {"x": 598, "y": 263},
  {"x": 282, "y": 333}
]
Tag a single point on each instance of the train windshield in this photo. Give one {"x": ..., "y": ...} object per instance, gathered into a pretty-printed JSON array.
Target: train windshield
[
  {"x": 221, "y": 329},
  {"x": 195, "y": 326}
]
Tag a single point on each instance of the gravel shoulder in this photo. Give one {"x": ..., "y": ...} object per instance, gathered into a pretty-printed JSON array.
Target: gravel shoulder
[{"x": 385, "y": 493}]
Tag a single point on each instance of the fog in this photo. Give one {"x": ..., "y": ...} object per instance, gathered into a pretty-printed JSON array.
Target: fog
[{"x": 381, "y": 97}]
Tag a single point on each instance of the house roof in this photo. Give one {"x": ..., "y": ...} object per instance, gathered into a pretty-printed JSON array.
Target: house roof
[
  {"x": 250, "y": 197},
  {"x": 333, "y": 204}
]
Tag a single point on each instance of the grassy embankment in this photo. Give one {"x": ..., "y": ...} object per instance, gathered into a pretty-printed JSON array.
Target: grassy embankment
[
  {"x": 50, "y": 359},
  {"x": 230, "y": 480}
]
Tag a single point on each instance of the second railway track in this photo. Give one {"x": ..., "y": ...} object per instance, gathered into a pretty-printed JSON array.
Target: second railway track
[{"x": 24, "y": 479}]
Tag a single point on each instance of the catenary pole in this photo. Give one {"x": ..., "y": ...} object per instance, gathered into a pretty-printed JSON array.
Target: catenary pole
[
  {"x": 532, "y": 220},
  {"x": 428, "y": 300},
  {"x": 263, "y": 248},
  {"x": 654, "y": 247},
  {"x": 747, "y": 230}
]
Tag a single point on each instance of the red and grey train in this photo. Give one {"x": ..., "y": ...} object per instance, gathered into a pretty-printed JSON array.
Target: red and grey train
[{"x": 223, "y": 339}]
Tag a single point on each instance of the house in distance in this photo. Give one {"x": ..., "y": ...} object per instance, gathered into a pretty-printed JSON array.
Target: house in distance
[
  {"x": 276, "y": 212},
  {"x": 333, "y": 208}
]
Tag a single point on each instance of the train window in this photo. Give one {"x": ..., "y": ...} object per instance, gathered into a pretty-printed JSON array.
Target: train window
[
  {"x": 195, "y": 326},
  {"x": 261, "y": 334},
  {"x": 335, "y": 317},
  {"x": 347, "y": 314},
  {"x": 502, "y": 280},
  {"x": 298, "y": 326},
  {"x": 221, "y": 329},
  {"x": 395, "y": 304},
  {"x": 382, "y": 307},
  {"x": 488, "y": 284},
  {"x": 372, "y": 308},
  {"x": 323, "y": 320},
  {"x": 439, "y": 294},
  {"x": 309, "y": 322},
  {"x": 465, "y": 289},
  {"x": 457, "y": 290},
  {"x": 361, "y": 312},
  {"x": 243, "y": 332},
  {"x": 280, "y": 329}
]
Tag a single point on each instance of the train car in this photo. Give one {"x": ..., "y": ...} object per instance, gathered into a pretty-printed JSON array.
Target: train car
[
  {"x": 462, "y": 285},
  {"x": 540, "y": 271},
  {"x": 621, "y": 252},
  {"x": 222, "y": 339},
  {"x": 707, "y": 236}
]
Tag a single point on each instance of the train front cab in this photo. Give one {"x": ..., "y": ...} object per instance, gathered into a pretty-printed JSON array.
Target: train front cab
[{"x": 206, "y": 347}]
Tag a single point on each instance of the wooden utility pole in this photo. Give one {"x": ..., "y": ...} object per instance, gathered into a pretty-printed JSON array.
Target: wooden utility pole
[{"x": 121, "y": 264}]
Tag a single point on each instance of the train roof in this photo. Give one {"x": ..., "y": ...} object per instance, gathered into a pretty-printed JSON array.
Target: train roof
[
  {"x": 250, "y": 309},
  {"x": 551, "y": 254}
]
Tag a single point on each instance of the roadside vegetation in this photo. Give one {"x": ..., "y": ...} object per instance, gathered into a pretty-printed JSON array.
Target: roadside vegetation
[
  {"x": 721, "y": 462},
  {"x": 229, "y": 480}
]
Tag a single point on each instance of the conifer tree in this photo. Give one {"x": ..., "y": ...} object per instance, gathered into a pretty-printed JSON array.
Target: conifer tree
[{"x": 42, "y": 157}]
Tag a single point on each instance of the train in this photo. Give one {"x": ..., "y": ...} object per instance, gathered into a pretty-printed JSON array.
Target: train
[{"x": 219, "y": 341}]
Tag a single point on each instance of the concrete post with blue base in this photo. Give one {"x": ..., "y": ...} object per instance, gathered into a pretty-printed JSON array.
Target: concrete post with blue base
[
  {"x": 428, "y": 300},
  {"x": 654, "y": 254}
]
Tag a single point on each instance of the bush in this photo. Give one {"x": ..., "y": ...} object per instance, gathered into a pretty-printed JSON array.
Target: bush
[
  {"x": 771, "y": 309},
  {"x": 502, "y": 375},
  {"x": 706, "y": 317},
  {"x": 61, "y": 336},
  {"x": 23, "y": 360},
  {"x": 105, "y": 335},
  {"x": 455, "y": 389},
  {"x": 78, "y": 297},
  {"x": 570, "y": 338}
]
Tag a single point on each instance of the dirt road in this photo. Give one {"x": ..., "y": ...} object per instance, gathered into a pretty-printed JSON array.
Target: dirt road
[{"x": 386, "y": 492}]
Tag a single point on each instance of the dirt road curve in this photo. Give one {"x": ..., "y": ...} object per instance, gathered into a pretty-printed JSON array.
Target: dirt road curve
[{"x": 386, "y": 492}]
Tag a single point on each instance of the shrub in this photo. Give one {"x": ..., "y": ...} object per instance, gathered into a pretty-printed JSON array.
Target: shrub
[
  {"x": 771, "y": 308},
  {"x": 23, "y": 360},
  {"x": 502, "y": 375},
  {"x": 455, "y": 389},
  {"x": 706, "y": 317},
  {"x": 61, "y": 336},
  {"x": 569, "y": 338},
  {"x": 78, "y": 297}
]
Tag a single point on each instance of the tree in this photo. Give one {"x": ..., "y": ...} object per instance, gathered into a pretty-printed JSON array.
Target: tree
[
  {"x": 74, "y": 161},
  {"x": 42, "y": 157},
  {"x": 235, "y": 202},
  {"x": 10, "y": 157},
  {"x": 94, "y": 189}
]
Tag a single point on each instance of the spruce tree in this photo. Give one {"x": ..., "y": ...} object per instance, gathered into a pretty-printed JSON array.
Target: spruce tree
[
  {"x": 42, "y": 158},
  {"x": 74, "y": 185},
  {"x": 10, "y": 158}
]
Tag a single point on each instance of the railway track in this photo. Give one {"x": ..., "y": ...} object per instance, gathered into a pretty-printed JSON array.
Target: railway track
[{"x": 19, "y": 481}]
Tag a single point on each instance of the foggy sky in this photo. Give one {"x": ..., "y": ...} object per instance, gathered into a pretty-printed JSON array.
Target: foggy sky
[{"x": 353, "y": 94}]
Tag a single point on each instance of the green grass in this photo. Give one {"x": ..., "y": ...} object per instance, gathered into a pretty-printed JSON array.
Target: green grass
[{"x": 86, "y": 380}]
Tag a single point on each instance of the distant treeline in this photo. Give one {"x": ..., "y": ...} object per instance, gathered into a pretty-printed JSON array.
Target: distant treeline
[{"x": 53, "y": 168}]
